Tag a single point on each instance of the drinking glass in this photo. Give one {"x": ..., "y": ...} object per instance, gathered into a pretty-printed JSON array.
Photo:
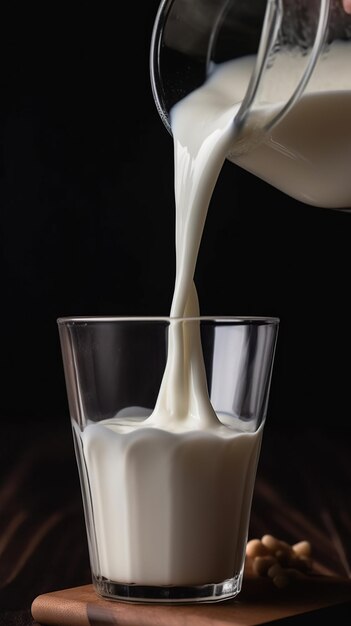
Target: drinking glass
[{"x": 167, "y": 507}]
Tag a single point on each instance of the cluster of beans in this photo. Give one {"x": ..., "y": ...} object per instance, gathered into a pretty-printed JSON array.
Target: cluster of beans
[{"x": 279, "y": 560}]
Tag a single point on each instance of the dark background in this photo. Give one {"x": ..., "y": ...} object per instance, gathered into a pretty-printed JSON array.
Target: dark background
[
  {"x": 87, "y": 220},
  {"x": 87, "y": 228}
]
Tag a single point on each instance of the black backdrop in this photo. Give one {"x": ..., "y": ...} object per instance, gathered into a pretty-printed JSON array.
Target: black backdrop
[{"x": 87, "y": 219}]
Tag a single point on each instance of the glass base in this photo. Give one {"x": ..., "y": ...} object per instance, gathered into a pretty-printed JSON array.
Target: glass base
[{"x": 214, "y": 592}]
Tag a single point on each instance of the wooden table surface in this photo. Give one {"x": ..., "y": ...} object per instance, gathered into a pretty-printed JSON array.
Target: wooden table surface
[{"x": 303, "y": 491}]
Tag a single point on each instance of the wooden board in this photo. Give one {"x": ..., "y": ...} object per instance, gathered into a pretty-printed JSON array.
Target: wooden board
[{"x": 258, "y": 603}]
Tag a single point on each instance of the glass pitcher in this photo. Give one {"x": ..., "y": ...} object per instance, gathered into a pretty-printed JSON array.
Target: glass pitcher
[{"x": 296, "y": 93}]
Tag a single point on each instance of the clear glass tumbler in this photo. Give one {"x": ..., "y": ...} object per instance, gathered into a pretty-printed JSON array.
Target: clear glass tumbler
[{"x": 167, "y": 497}]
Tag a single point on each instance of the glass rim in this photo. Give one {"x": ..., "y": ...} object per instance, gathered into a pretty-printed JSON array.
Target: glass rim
[{"x": 234, "y": 319}]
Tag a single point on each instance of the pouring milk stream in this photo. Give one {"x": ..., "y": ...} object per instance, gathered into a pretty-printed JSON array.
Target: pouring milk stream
[{"x": 141, "y": 537}]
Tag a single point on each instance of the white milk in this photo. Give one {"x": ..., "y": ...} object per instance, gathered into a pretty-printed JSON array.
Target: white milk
[
  {"x": 170, "y": 509},
  {"x": 172, "y": 494},
  {"x": 307, "y": 154}
]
